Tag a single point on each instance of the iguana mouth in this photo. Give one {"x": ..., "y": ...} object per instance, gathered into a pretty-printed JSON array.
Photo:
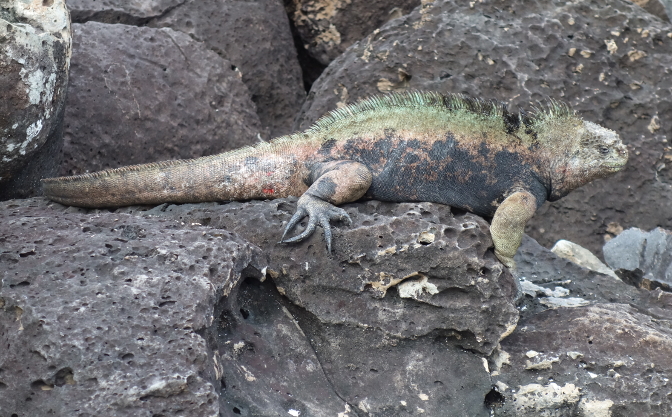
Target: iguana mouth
[{"x": 614, "y": 167}]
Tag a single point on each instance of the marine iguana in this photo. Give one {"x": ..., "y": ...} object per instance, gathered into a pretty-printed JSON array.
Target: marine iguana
[{"x": 417, "y": 146}]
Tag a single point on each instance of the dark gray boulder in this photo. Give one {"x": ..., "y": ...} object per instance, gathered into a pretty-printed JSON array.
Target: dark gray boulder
[
  {"x": 401, "y": 314},
  {"x": 642, "y": 259},
  {"x": 155, "y": 315},
  {"x": 141, "y": 95},
  {"x": 327, "y": 28},
  {"x": 608, "y": 59},
  {"x": 392, "y": 257},
  {"x": 254, "y": 37},
  {"x": 586, "y": 344},
  {"x": 119, "y": 11},
  {"x": 36, "y": 47},
  {"x": 103, "y": 315}
]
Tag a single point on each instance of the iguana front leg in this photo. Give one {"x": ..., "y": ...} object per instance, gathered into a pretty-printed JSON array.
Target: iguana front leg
[
  {"x": 508, "y": 225},
  {"x": 332, "y": 183}
]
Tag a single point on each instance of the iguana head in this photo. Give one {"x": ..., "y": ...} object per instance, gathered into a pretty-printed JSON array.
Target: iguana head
[{"x": 595, "y": 152}]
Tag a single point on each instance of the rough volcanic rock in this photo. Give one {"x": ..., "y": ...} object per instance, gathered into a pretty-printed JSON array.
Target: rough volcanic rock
[
  {"x": 269, "y": 367},
  {"x": 659, "y": 8},
  {"x": 394, "y": 256},
  {"x": 34, "y": 59},
  {"x": 642, "y": 259},
  {"x": 134, "y": 12},
  {"x": 610, "y": 60},
  {"x": 256, "y": 38},
  {"x": 100, "y": 314},
  {"x": 328, "y": 27},
  {"x": 391, "y": 311},
  {"x": 602, "y": 359},
  {"x": 142, "y": 94},
  {"x": 607, "y": 356}
]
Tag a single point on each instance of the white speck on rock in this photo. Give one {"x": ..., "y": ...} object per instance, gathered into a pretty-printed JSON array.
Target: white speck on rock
[
  {"x": 32, "y": 131},
  {"x": 414, "y": 289},
  {"x": 295, "y": 413}
]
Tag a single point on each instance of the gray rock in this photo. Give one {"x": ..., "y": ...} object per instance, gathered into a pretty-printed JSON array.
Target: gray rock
[
  {"x": 104, "y": 315},
  {"x": 452, "y": 280},
  {"x": 35, "y": 49},
  {"x": 642, "y": 259},
  {"x": 581, "y": 256},
  {"x": 386, "y": 355},
  {"x": 256, "y": 38},
  {"x": 134, "y": 12},
  {"x": 269, "y": 367},
  {"x": 599, "y": 360},
  {"x": 260, "y": 352},
  {"x": 607, "y": 59},
  {"x": 328, "y": 27},
  {"x": 604, "y": 358},
  {"x": 141, "y": 95},
  {"x": 659, "y": 8}
]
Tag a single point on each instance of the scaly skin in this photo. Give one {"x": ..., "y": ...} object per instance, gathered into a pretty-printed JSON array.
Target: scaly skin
[{"x": 449, "y": 149}]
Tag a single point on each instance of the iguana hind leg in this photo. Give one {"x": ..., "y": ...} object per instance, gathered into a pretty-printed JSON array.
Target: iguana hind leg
[
  {"x": 508, "y": 225},
  {"x": 333, "y": 183}
]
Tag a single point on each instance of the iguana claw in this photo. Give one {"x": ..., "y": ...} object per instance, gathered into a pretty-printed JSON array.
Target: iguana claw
[{"x": 319, "y": 212}]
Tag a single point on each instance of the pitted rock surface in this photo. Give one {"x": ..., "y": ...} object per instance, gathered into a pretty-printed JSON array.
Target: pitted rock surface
[
  {"x": 328, "y": 27},
  {"x": 141, "y": 95},
  {"x": 134, "y": 12},
  {"x": 394, "y": 256},
  {"x": 101, "y": 315},
  {"x": 256, "y": 38},
  {"x": 608, "y": 356},
  {"x": 602, "y": 359},
  {"x": 608, "y": 59},
  {"x": 35, "y": 50}
]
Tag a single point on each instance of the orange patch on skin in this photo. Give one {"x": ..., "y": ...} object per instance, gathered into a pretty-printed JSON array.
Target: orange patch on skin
[{"x": 268, "y": 190}]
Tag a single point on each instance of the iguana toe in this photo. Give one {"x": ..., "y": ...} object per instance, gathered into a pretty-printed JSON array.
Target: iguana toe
[{"x": 319, "y": 212}]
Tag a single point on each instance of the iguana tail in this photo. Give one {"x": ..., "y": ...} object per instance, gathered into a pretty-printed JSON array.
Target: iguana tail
[{"x": 248, "y": 173}]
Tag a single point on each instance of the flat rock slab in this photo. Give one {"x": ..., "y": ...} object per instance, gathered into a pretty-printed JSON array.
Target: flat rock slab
[
  {"x": 141, "y": 94},
  {"x": 394, "y": 256},
  {"x": 608, "y": 59},
  {"x": 100, "y": 314}
]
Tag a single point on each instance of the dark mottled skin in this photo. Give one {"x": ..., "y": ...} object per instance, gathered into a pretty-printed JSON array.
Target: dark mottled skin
[
  {"x": 448, "y": 149},
  {"x": 441, "y": 172}
]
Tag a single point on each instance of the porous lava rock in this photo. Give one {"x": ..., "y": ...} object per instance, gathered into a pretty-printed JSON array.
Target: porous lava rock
[
  {"x": 608, "y": 355},
  {"x": 328, "y": 27},
  {"x": 35, "y": 52},
  {"x": 102, "y": 315},
  {"x": 141, "y": 94},
  {"x": 255, "y": 36},
  {"x": 391, "y": 311},
  {"x": 610, "y": 60},
  {"x": 393, "y": 256},
  {"x": 134, "y": 12}
]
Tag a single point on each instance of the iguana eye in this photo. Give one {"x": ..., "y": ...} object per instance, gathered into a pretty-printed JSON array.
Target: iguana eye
[{"x": 603, "y": 150}]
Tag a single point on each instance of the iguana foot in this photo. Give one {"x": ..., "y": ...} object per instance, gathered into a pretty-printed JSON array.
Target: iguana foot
[
  {"x": 506, "y": 260},
  {"x": 319, "y": 212}
]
